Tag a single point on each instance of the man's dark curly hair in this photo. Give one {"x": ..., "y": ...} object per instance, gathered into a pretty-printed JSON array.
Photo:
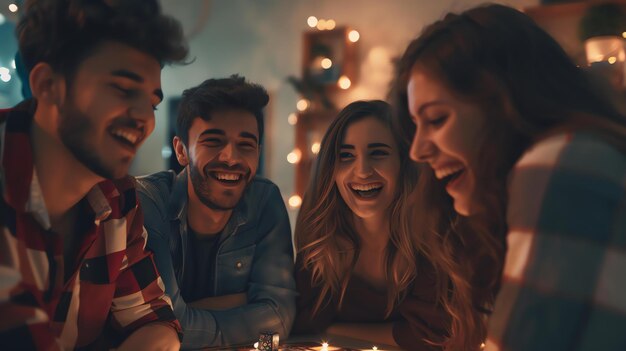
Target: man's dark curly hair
[
  {"x": 212, "y": 95},
  {"x": 63, "y": 33}
]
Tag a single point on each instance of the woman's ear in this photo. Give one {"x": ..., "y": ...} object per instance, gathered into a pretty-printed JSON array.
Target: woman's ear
[
  {"x": 181, "y": 151},
  {"x": 47, "y": 86}
]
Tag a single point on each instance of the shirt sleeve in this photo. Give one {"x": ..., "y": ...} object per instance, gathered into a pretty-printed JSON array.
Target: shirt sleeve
[
  {"x": 28, "y": 325},
  {"x": 24, "y": 323},
  {"x": 563, "y": 279},
  {"x": 271, "y": 290},
  {"x": 139, "y": 296}
]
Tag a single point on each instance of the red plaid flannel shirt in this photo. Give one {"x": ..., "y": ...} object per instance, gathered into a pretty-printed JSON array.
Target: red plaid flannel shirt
[{"x": 114, "y": 281}]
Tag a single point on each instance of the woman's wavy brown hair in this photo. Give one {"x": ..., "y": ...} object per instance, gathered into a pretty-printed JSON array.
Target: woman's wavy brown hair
[
  {"x": 325, "y": 237},
  {"x": 498, "y": 59}
]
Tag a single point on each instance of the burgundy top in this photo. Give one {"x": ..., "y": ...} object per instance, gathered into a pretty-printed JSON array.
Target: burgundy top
[{"x": 416, "y": 319}]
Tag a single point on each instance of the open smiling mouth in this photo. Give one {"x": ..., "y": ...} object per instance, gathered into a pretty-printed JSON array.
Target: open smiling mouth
[
  {"x": 366, "y": 190},
  {"x": 129, "y": 137},
  {"x": 226, "y": 178},
  {"x": 449, "y": 175}
]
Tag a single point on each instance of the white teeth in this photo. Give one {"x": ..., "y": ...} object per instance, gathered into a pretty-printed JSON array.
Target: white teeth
[
  {"x": 366, "y": 187},
  {"x": 227, "y": 176},
  {"x": 446, "y": 171},
  {"x": 129, "y": 136}
]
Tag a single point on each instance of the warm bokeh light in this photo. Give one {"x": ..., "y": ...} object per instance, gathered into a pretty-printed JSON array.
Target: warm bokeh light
[
  {"x": 354, "y": 36},
  {"x": 311, "y": 21},
  {"x": 294, "y": 156},
  {"x": 292, "y": 119},
  {"x": 5, "y": 74},
  {"x": 379, "y": 55},
  {"x": 302, "y": 104},
  {"x": 605, "y": 49},
  {"x": 321, "y": 24},
  {"x": 294, "y": 202},
  {"x": 326, "y": 63},
  {"x": 344, "y": 82},
  {"x": 166, "y": 152},
  {"x": 13, "y": 8},
  {"x": 315, "y": 148},
  {"x": 374, "y": 348},
  {"x": 330, "y": 24},
  {"x": 624, "y": 35}
]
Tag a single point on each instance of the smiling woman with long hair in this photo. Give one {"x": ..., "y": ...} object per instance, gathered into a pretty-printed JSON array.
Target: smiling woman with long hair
[
  {"x": 359, "y": 270},
  {"x": 528, "y": 150}
]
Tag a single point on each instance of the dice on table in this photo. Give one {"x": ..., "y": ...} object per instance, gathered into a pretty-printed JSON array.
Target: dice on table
[{"x": 268, "y": 341}]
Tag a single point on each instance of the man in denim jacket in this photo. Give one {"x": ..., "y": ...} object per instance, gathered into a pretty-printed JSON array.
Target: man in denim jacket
[{"x": 221, "y": 235}]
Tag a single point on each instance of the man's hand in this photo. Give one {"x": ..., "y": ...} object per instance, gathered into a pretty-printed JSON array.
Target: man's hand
[
  {"x": 224, "y": 302},
  {"x": 154, "y": 336}
]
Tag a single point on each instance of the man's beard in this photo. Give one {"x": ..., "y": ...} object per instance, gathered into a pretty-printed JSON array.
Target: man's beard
[
  {"x": 200, "y": 183},
  {"x": 75, "y": 130}
]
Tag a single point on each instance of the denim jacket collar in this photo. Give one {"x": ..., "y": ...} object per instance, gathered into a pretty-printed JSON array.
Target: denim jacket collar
[
  {"x": 178, "y": 207},
  {"x": 178, "y": 199}
]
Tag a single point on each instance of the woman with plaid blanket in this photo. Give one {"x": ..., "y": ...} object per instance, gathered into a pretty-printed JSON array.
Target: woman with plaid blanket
[{"x": 531, "y": 153}]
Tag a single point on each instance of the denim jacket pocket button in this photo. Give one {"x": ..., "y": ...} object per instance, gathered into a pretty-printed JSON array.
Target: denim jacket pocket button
[{"x": 238, "y": 265}]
